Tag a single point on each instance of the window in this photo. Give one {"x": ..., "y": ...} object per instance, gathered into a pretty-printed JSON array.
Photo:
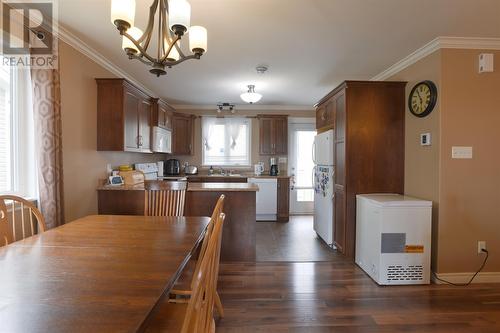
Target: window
[
  {"x": 17, "y": 156},
  {"x": 226, "y": 141}
]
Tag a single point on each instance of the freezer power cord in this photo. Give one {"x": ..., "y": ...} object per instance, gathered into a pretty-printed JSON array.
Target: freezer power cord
[{"x": 471, "y": 279}]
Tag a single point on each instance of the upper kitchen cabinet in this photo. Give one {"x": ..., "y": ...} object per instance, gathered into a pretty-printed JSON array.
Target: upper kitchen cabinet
[
  {"x": 162, "y": 114},
  {"x": 124, "y": 115},
  {"x": 325, "y": 114},
  {"x": 182, "y": 134},
  {"x": 273, "y": 135}
]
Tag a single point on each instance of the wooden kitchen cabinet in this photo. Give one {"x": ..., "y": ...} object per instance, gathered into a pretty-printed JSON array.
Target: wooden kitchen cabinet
[
  {"x": 162, "y": 114},
  {"x": 283, "y": 199},
  {"x": 368, "y": 121},
  {"x": 273, "y": 135},
  {"x": 182, "y": 134},
  {"x": 124, "y": 115},
  {"x": 325, "y": 116}
]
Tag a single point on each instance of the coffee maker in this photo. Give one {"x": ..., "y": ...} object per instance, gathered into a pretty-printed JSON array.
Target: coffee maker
[{"x": 273, "y": 169}]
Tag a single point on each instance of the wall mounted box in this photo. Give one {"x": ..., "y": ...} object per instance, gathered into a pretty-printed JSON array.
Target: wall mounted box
[{"x": 486, "y": 63}]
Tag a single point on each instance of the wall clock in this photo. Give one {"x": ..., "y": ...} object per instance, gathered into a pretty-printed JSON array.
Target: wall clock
[{"x": 422, "y": 99}]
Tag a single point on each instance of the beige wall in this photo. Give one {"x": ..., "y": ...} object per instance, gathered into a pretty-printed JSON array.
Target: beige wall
[
  {"x": 196, "y": 159},
  {"x": 422, "y": 162},
  {"x": 469, "y": 196},
  {"x": 466, "y": 191},
  {"x": 83, "y": 165}
]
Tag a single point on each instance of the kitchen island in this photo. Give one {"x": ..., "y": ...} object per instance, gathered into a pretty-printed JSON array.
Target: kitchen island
[{"x": 238, "y": 240}]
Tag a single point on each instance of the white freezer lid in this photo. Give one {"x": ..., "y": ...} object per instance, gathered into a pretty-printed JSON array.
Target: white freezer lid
[{"x": 395, "y": 200}]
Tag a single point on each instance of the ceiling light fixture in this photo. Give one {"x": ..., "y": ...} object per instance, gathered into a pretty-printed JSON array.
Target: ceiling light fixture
[
  {"x": 251, "y": 96},
  {"x": 170, "y": 31},
  {"x": 225, "y": 106}
]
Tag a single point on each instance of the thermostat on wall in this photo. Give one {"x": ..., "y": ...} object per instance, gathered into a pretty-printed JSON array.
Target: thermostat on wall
[{"x": 425, "y": 139}]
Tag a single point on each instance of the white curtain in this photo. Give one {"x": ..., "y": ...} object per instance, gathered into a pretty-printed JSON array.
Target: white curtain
[
  {"x": 233, "y": 125},
  {"x": 207, "y": 127}
]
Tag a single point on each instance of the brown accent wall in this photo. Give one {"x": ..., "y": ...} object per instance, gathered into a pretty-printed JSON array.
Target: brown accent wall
[
  {"x": 465, "y": 192},
  {"x": 83, "y": 165}
]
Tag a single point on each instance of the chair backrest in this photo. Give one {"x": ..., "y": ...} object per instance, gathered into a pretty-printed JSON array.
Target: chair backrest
[
  {"x": 219, "y": 208},
  {"x": 200, "y": 310},
  {"x": 17, "y": 219},
  {"x": 164, "y": 198}
]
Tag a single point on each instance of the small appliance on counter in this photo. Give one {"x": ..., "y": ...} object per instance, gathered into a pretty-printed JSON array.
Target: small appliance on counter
[
  {"x": 190, "y": 169},
  {"x": 172, "y": 167},
  {"x": 259, "y": 168},
  {"x": 133, "y": 177},
  {"x": 273, "y": 170},
  {"x": 150, "y": 170}
]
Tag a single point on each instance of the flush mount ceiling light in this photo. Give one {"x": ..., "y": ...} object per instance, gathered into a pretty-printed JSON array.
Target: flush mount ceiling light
[
  {"x": 174, "y": 18},
  {"x": 251, "y": 96}
]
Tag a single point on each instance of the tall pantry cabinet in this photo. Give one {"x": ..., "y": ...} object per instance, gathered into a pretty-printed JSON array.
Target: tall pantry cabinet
[{"x": 368, "y": 122}]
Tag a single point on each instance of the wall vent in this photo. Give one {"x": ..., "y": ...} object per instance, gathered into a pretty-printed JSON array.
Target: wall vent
[{"x": 405, "y": 273}]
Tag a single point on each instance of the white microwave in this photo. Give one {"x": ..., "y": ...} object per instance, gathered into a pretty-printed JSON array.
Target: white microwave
[{"x": 162, "y": 140}]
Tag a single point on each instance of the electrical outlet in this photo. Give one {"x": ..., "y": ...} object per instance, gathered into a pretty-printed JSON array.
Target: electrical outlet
[{"x": 481, "y": 245}]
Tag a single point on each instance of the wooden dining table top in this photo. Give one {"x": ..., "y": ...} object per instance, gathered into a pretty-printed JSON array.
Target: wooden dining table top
[{"x": 97, "y": 274}]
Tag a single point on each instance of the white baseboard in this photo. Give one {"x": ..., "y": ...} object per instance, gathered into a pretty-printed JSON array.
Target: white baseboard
[{"x": 483, "y": 277}]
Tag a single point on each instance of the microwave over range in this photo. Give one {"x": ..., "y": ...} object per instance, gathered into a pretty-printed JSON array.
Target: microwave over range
[{"x": 162, "y": 140}]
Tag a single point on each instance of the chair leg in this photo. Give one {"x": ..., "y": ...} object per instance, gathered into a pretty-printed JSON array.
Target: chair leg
[{"x": 218, "y": 305}]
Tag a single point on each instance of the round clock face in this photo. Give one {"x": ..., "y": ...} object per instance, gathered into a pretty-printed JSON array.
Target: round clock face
[{"x": 422, "y": 98}]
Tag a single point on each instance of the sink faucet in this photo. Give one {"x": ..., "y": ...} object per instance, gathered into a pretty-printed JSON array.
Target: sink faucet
[{"x": 221, "y": 171}]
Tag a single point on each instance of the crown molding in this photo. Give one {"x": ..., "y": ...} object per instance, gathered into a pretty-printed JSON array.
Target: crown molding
[
  {"x": 246, "y": 107},
  {"x": 482, "y": 277},
  {"x": 438, "y": 43},
  {"x": 79, "y": 45}
]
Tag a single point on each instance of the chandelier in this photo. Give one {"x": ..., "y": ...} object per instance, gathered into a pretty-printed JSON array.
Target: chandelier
[{"x": 173, "y": 23}]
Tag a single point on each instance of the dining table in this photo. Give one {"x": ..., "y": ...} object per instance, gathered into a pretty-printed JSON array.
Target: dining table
[{"x": 102, "y": 273}]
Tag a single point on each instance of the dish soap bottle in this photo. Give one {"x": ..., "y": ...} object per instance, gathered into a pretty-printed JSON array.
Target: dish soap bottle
[{"x": 211, "y": 171}]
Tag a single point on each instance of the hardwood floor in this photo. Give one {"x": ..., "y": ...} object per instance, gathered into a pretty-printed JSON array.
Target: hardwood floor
[
  {"x": 337, "y": 296},
  {"x": 292, "y": 241}
]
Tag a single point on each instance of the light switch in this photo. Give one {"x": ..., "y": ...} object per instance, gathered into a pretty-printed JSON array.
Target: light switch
[
  {"x": 425, "y": 139},
  {"x": 461, "y": 152}
]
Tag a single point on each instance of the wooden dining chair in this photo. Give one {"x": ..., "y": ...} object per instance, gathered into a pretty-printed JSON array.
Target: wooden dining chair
[
  {"x": 17, "y": 219},
  {"x": 184, "y": 288},
  {"x": 164, "y": 198},
  {"x": 197, "y": 316}
]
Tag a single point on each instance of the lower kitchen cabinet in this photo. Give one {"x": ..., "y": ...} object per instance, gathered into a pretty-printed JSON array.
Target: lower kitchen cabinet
[{"x": 283, "y": 199}]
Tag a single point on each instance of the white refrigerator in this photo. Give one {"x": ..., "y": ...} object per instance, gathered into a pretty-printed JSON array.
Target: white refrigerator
[{"x": 324, "y": 171}]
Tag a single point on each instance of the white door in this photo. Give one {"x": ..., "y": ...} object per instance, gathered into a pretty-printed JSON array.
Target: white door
[{"x": 301, "y": 167}]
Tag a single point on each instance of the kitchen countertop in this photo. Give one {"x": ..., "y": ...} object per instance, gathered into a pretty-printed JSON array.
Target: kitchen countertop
[
  {"x": 237, "y": 175},
  {"x": 192, "y": 187}
]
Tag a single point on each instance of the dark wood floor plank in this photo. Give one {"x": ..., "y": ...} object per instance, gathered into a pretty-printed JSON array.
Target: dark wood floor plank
[{"x": 337, "y": 296}]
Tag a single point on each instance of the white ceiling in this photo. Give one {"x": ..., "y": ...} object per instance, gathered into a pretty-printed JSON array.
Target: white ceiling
[{"x": 310, "y": 46}]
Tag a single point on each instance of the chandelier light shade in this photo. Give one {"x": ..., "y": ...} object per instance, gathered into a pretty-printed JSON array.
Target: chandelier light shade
[
  {"x": 197, "y": 39},
  {"x": 179, "y": 15},
  {"x": 123, "y": 11},
  {"x": 127, "y": 45},
  {"x": 173, "y": 21},
  {"x": 251, "y": 96}
]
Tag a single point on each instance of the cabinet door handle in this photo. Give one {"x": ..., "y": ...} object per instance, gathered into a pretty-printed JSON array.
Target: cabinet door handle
[{"x": 140, "y": 140}]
